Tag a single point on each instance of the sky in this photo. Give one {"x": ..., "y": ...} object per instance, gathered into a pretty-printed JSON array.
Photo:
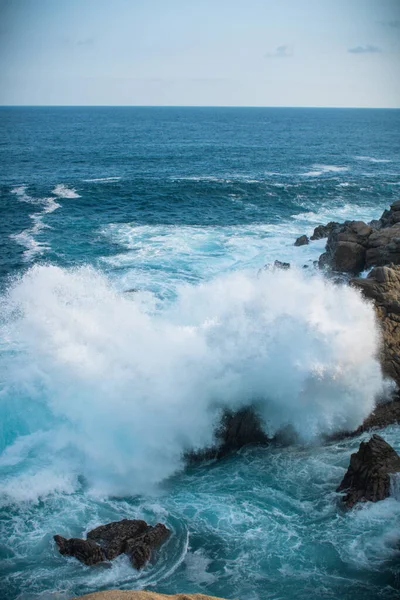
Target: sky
[{"x": 343, "y": 53}]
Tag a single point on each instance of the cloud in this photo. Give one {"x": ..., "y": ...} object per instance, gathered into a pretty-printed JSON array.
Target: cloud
[
  {"x": 393, "y": 24},
  {"x": 283, "y": 51},
  {"x": 368, "y": 49}
]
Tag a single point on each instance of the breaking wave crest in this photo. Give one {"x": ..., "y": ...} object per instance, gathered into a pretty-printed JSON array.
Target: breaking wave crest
[{"x": 114, "y": 388}]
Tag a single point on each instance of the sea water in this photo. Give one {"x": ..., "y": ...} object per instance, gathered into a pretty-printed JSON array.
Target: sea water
[{"x": 135, "y": 309}]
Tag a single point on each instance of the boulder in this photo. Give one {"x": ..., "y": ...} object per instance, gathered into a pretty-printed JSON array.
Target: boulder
[
  {"x": 139, "y": 548},
  {"x": 382, "y": 286},
  {"x": 113, "y": 536},
  {"x": 346, "y": 247},
  {"x": 302, "y": 241},
  {"x": 86, "y": 551},
  {"x": 322, "y": 231},
  {"x": 368, "y": 476},
  {"x": 390, "y": 217},
  {"x": 133, "y": 537},
  {"x": 384, "y": 246}
]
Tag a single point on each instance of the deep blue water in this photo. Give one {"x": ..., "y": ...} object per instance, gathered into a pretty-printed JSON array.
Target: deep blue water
[{"x": 102, "y": 391}]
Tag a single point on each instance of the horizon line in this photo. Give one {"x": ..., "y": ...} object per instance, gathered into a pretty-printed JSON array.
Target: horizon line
[{"x": 194, "y": 106}]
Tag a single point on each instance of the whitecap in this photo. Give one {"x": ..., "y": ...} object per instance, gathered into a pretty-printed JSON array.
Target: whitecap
[{"x": 62, "y": 191}]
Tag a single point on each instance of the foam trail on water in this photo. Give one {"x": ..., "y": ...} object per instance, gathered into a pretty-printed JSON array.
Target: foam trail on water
[
  {"x": 119, "y": 389},
  {"x": 27, "y": 238},
  {"x": 62, "y": 191}
]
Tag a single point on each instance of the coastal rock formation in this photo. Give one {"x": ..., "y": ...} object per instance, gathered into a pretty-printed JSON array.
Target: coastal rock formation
[
  {"x": 113, "y": 536},
  {"x": 354, "y": 245},
  {"x": 86, "y": 551},
  {"x": 346, "y": 247},
  {"x": 322, "y": 231},
  {"x": 302, "y": 241},
  {"x": 142, "y": 595},
  {"x": 236, "y": 430},
  {"x": 382, "y": 286},
  {"x": 133, "y": 537},
  {"x": 368, "y": 476}
]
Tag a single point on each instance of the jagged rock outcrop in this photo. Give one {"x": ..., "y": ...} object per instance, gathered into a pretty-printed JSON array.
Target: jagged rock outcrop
[
  {"x": 113, "y": 536},
  {"x": 302, "y": 241},
  {"x": 346, "y": 248},
  {"x": 236, "y": 430},
  {"x": 368, "y": 476},
  {"x": 142, "y": 595},
  {"x": 132, "y": 537},
  {"x": 383, "y": 246},
  {"x": 86, "y": 551},
  {"x": 354, "y": 245},
  {"x": 139, "y": 548},
  {"x": 322, "y": 231},
  {"x": 382, "y": 286}
]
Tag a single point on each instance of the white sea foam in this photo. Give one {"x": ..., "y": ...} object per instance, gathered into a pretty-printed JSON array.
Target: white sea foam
[
  {"x": 129, "y": 388},
  {"x": 372, "y": 159},
  {"x": 102, "y": 180},
  {"x": 27, "y": 238},
  {"x": 324, "y": 170},
  {"x": 63, "y": 191}
]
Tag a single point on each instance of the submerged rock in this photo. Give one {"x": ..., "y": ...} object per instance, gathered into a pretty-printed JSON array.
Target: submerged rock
[
  {"x": 302, "y": 241},
  {"x": 132, "y": 537},
  {"x": 368, "y": 476}
]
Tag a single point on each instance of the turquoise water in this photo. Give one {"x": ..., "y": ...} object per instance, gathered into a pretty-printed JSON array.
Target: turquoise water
[{"x": 102, "y": 391}]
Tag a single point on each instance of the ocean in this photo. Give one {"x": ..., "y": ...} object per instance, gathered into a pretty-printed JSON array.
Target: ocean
[{"x": 135, "y": 309}]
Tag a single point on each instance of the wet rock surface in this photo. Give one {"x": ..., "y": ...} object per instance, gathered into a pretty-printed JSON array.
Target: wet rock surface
[
  {"x": 368, "y": 476},
  {"x": 302, "y": 241},
  {"x": 132, "y": 537},
  {"x": 382, "y": 286}
]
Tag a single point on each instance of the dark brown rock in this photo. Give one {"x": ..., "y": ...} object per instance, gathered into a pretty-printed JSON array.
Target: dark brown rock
[
  {"x": 302, "y": 241},
  {"x": 382, "y": 286},
  {"x": 113, "y": 536},
  {"x": 322, "y": 231},
  {"x": 346, "y": 247},
  {"x": 140, "y": 548},
  {"x": 384, "y": 246},
  {"x": 368, "y": 476},
  {"x": 133, "y": 537},
  {"x": 86, "y": 551}
]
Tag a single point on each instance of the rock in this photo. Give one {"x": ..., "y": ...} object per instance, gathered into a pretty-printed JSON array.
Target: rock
[
  {"x": 139, "y": 548},
  {"x": 368, "y": 476},
  {"x": 384, "y": 414},
  {"x": 281, "y": 265},
  {"x": 390, "y": 217},
  {"x": 302, "y": 241},
  {"x": 142, "y": 595},
  {"x": 382, "y": 286},
  {"x": 384, "y": 246},
  {"x": 86, "y": 551},
  {"x": 113, "y": 536},
  {"x": 322, "y": 231},
  {"x": 133, "y": 537},
  {"x": 346, "y": 247},
  {"x": 237, "y": 429}
]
